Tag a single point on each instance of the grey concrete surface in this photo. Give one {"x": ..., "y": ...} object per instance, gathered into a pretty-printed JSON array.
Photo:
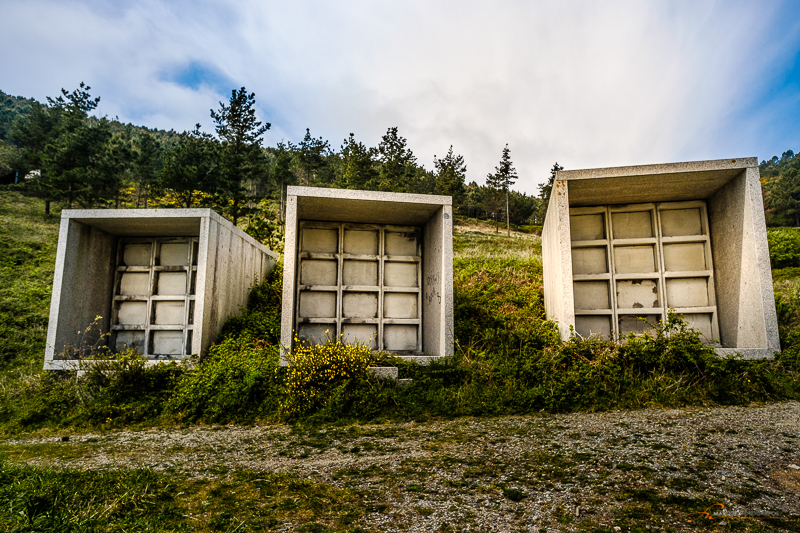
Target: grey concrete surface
[
  {"x": 619, "y": 243},
  {"x": 189, "y": 302},
  {"x": 368, "y": 267}
]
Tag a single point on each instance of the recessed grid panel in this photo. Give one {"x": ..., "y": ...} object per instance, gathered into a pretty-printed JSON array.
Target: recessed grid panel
[
  {"x": 633, "y": 262},
  {"x": 360, "y": 283},
  {"x": 153, "y": 301}
]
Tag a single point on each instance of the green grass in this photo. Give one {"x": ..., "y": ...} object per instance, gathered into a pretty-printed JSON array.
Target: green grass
[
  {"x": 509, "y": 358},
  {"x": 27, "y": 258},
  {"x": 46, "y": 499}
]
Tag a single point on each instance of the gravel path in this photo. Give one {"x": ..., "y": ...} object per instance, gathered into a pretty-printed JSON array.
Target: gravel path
[{"x": 524, "y": 473}]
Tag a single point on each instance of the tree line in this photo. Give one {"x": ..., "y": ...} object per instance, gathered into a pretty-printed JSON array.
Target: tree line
[{"x": 62, "y": 153}]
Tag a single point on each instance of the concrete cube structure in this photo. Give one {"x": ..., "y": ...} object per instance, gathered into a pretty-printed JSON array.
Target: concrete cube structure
[
  {"x": 623, "y": 245},
  {"x": 374, "y": 268},
  {"x": 161, "y": 280}
]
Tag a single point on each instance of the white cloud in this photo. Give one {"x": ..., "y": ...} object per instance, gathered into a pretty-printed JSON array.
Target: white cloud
[{"x": 584, "y": 83}]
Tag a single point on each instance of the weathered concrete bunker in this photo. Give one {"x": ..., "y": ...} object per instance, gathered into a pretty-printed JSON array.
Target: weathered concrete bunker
[
  {"x": 623, "y": 245},
  {"x": 373, "y": 268},
  {"x": 161, "y": 280}
]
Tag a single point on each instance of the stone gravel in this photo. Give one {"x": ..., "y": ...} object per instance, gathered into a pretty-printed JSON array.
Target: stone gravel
[{"x": 519, "y": 473}]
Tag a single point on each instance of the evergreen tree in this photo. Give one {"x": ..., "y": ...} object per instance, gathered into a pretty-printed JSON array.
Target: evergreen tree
[
  {"x": 148, "y": 160},
  {"x": 451, "y": 173},
  {"x": 503, "y": 178},
  {"x": 545, "y": 191},
  {"x": 281, "y": 172},
  {"x": 358, "y": 166},
  {"x": 241, "y": 161},
  {"x": 189, "y": 167},
  {"x": 784, "y": 195},
  {"x": 397, "y": 164},
  {"x": 312, "y": 160}
]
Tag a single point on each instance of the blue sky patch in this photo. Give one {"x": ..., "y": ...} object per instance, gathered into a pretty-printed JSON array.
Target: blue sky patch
[{"x": 197, "y": 74}]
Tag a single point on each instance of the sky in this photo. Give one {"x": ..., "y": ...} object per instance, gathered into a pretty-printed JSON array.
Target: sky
[{"x": 583, "y": 83}]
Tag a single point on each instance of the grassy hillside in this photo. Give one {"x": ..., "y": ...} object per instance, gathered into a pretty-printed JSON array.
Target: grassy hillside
[{"x": 508, "y": 359}]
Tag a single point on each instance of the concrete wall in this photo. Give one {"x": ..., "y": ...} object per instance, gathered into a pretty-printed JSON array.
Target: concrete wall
[
  {"x": 437, "y": 284},
  {"x": 228, "y": 263},
  {"x": 86, "y": 255},
  {"x": 393, "y": 325},
  {"x": 557, "y": 261},
  {"x": 738, "y": 296},
  {"x": 745, "y": 296}
]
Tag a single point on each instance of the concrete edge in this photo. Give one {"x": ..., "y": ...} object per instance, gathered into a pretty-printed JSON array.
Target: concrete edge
[
  {"x": 377, "y": 196},
  {"x": 660, "y": 168}
]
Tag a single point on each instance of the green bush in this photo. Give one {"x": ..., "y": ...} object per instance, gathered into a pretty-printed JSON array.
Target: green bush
[
  {"x": 238, "y": 381},
  {"x": 261, "y": 318},
  {"x": 784, "y": 247},
  {"x": 318, "y": 372}
]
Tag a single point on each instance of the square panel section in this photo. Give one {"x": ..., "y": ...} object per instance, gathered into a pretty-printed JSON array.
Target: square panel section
[
  {"x": 400, "y": 274},
  {"x": 167, "y": 343},
  {"x": 360, "y": 305},
  {"x": 169, "y": 313},
  {"x": 701, "y": 322},
  {"x": 134, "y": 284},
  {"x": 318, "y": 272},
  {"x": 637, "y": 294},
  {"x": 316, "y": 333},
  {"x": 589, "y": 261},
  {"x": 320, "y": 240},
  {"x": 587, "y": 227},
  {"x": 687, "y": 292},
  {"x": 591, "y": 295},
  {"x": 588, "y": 325},
  {"x": 136, "y": 254},
  {"x": 400, "y": 305},
  {"x": 171, "y": 283},
  {"x": 129, "y": 340},
  {"x": 132, "y": 313},
  {"x": 402, "y": 243},
  {"x": 681, "y": 222},
  {"x": 637, "y": 324},
  {"x": 632, "y": 225},
  {"x": 174, "y": 254},
  {"x": 363, "y": 273},
  {"x": 363, "y": 334},
  {"x": 685, "y": 257},
  {"x": 634, "y": 259},
  {"x": 400, "y": 337},
  {"x": 317, "y": 304},
  {"x": 361, "y": 242}
]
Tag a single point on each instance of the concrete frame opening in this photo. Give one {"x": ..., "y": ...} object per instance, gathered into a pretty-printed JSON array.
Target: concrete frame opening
[
  {"x": 689, "y": 236},
  {"x": 162, "y": 281},
  {"x": 371, "y": 268}
]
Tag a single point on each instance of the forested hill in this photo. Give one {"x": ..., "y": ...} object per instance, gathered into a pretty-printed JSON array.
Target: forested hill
[
  {"x": 11, "y": 108},
  {"x": 60, "y": 152}
]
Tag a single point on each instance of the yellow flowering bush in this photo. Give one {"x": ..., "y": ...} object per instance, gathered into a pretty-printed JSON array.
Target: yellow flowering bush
[{"x": 315, "y": 370}]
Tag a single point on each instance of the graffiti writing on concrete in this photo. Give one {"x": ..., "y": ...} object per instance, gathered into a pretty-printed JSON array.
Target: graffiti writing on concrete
[{"x": 431, "y": 288}]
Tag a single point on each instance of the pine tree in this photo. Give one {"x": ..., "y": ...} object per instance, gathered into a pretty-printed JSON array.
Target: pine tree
[
  {"x": 451, "y": 173},
  {"x": 503, "y": 178},
  {"x": 241, "y": 160},
  {"x": 398, "y": 164},
  {"x": 358, "y": 166},
  {"x": 784, "y": 195},
  {"x": 312, "y": 159}
]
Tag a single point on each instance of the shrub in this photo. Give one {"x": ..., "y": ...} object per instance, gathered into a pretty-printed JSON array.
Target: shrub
[
  {"x": 126, "y": 390},
  {"x": 315, "y": 371},
  {"x": 262, "y": 317},
  {"x": 784, "y": 247},
  {"x": 237, "y": 381}
]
